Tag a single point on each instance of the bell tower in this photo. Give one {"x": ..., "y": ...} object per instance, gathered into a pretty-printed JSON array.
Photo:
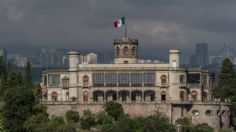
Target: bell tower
[{"x": 126, "y": 51}]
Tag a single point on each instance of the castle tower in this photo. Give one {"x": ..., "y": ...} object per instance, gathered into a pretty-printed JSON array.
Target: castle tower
[
  {"x": 73, "y": 67},
  {"x": 174, "y": 58},
  {"x": 126, "y": 51},
  {"x": 174, "y": 90}
]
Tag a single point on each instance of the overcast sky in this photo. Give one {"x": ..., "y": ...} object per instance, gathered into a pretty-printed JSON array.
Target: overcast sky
[{"x": 88, "y": 24}]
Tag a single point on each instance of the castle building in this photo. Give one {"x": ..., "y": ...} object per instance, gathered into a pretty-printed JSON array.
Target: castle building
[{"x": 142, "y": 88}]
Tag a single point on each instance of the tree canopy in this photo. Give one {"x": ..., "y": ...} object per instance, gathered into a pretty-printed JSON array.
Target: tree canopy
[
  {"x": 227, "y": 81},
  {"x": 114, "y": 109}
]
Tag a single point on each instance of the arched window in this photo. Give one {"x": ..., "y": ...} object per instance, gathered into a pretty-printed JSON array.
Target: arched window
[
  {"x": 117, "y": 51},
  {"x": 194, "y": 95},
  {"x": 54, "y": 96},
  {"x": 85, "y": 79},
  {"x": 133, "y": 51},
  {"x": 126, "y": 51},
  {"x": 67, "y": 96},
  {"x": 86, "y": 96},
  {"x": 163, "y": 79},
  {"x": 181, "y": 79},
  {"x": 163, "y": 96}
]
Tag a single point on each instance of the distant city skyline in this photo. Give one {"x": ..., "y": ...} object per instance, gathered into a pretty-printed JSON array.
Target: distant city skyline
[{"x": 88, "y": 24}]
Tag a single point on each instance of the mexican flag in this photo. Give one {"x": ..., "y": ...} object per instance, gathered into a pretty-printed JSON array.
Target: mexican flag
[{"x": 119, "y": 23}]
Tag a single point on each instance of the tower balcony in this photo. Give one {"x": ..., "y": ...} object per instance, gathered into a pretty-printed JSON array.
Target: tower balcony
[{"x": 125, "y": 40}]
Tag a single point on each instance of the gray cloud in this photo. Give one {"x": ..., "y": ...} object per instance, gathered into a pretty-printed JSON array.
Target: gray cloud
[{"x": 88, "y": 24}]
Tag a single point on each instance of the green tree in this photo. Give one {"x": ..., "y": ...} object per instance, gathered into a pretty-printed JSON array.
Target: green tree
[
  {"x": 53, "y": 124},
  {"x": 88, "y": 120},
  {"x": 185, "y": 124},
  {"x": 110, "y": 128},
  {"x": 227, "y": 86},
  {"x": 126, "y": 124},
  {"x": 28, "y": 76},
  {"x": 35, "y": 123},
  {"x": 39, "y": 109},
  {"x": 72, "y": 116},
  {"x": 227, "y": 81},
  {"x": 158, "y": 123},
  {"x": 202, "y": 128},
  {"x": 66, "y": 128},
  {"x": 19, "y": 79},
  {"x": 17, "y": 108},
  {"x": 102, "y": 118},
  {"x": 2, "y": 67},
  {"x": 8, "y": 70},
  {"x": 114, "y": 109}
]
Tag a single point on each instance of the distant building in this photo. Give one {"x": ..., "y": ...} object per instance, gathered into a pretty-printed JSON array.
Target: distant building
[
  {"x": 3, "y": 53},
  {"x": 90, "y": 58},
  {"x": 51, "y": 58},
  {"x": 226, "y": 53},
  {"x": 202, "y": 54},
  {"x": 215, "y": 60},
  {"x": 200, "y": 58},
  {"x": 34, "y": 61},
  {"x": 192, "y": 60},
  {"x": 17, "y": 60}
]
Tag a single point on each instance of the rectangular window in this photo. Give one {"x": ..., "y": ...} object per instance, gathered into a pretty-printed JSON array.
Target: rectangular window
[
  {"x": 98, "y": 79},
  {"x": 194, "y": 78},
  {"x": 149, "y": 78},
  {"x": 53, "y": 79},
  {"x": 123, "y": 79},
  {"x": 111, "y": 79},
  {"x": 45, "y": 80},
  {"x": 204, "y": 80},
  {"x": 136, "y": 79}
]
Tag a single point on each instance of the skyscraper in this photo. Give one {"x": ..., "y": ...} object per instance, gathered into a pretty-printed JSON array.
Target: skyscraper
[
  {"x": 201, "y": 54},
  {"x": 51, "y": 58}
]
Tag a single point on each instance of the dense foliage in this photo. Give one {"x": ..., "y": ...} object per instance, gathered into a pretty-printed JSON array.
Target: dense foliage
[
  {"x": 88, "y": 120},
  {"x": 227, "y": 81},
  {"x": 19, "y": 104},
  {"x": 18, "y": 107},
  {"x": 72, "y": 116},
  {"x": 185, "y": 125},
  {"x": 114, "y": 109},
  {"x": 227, "y": 86}
]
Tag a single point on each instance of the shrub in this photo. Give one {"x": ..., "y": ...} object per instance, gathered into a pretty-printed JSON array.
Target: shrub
[{"x": 72, "y": 116}]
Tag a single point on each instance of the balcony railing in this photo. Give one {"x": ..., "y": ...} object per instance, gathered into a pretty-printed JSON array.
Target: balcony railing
[
  {"x": 163, "y": 85},
  {"x": 195, "y": 85},
  {"x": 65, "y": 86},
  {"x": 174, "y": 102},
  {"x": 85, "y": 85},
  {"x": 183, "y": 84}
]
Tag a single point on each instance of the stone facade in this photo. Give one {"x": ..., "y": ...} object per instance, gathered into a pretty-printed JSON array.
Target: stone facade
[{"x": 142, "y": 88}]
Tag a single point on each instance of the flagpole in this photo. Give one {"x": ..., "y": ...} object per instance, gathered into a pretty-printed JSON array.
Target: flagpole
[{"x": 125, "y": 28}]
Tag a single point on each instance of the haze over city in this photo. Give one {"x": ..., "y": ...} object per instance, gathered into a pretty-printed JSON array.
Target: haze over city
[
  {"x": 28, "y": 25},
  {"x": 117, "y": 65}
]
